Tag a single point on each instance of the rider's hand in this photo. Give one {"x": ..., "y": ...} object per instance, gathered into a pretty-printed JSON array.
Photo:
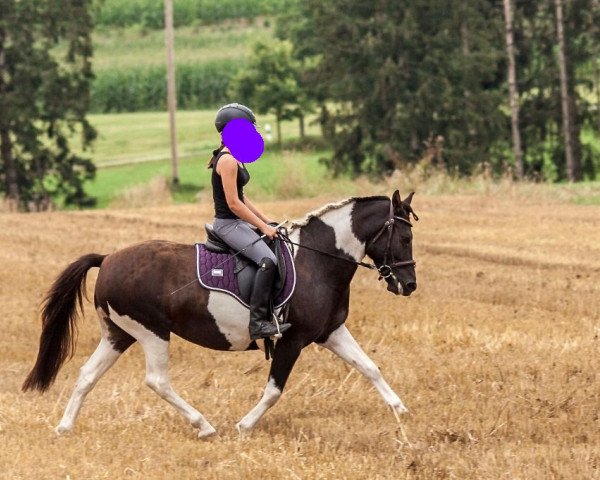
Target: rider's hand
[{"x": 269, "y": 231}]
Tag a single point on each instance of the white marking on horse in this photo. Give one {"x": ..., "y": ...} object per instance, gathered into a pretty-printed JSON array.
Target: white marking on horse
[
  {"x": 232, "y": 319},
  {"x": 295, "y": 237},
  {"x": 319, "y": 212},
  {"x": 342, "y": 343},
  {"x": 101, "y": 360},
  {"x": 156, "y": 351},
  {"x": 269, "y": 398},
  {"x": 340, "y": 219}
]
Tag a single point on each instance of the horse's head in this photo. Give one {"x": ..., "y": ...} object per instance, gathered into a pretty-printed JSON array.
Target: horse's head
[{"x": 391, "y": 247}]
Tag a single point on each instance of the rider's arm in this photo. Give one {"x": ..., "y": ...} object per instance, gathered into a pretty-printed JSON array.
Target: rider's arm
[
  {"x": 255, "y": 210},
  {"x": 227, "y": 168}
]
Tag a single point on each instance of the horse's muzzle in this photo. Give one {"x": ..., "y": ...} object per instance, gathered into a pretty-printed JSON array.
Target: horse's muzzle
[{"x": 409, "y": 288}]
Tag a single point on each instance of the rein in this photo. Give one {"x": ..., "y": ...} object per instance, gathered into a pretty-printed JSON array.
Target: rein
[
  {"x": 286, "y": 239},
  {"x": 384, "y": 270}
]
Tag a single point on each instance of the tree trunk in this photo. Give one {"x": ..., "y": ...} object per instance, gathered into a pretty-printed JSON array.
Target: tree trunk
[
  {"x": 6, "y": 153},
  {"x": 597, "y": 83},
  {"x": 513, "y": 91},
  {"x": 596, "y": 54},
  {"x": 10, "y": 169},
  {"x": 278, "y": 130},
  {"x": 466, "y": 50},
  {"x": 573, "y": 162},
  {"x": 301, "y": 118},
  {"x": 327, "y": 127}
]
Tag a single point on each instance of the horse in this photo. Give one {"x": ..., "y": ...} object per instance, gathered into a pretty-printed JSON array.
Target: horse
[{"x": 140, "y": 296}]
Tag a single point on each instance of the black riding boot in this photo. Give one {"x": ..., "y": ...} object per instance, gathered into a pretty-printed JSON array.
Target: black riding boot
[{"x": 260, "y": 323}]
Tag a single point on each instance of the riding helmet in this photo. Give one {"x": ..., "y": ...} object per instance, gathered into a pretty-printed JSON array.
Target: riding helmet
[{"x": 231, "y": 111}]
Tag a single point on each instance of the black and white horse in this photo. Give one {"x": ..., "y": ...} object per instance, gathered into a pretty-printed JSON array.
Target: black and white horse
[{"x": 134, "y": 302}]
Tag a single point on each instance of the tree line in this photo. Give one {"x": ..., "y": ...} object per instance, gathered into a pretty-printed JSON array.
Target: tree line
[{"x": 515, "y": 83}]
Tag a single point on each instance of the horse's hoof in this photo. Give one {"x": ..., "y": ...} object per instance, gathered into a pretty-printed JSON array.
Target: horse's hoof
[
  {"x": 400, "y": 409},
  {"x": 62, "y": 429},
  {"x": 207, "y": 433},
  {"x": 242, "y": 430}
]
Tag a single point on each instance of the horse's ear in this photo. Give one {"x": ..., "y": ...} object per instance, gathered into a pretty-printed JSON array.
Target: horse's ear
[
  {"x": 408, "y": 199},
  {"x": 396, "y": 200}
]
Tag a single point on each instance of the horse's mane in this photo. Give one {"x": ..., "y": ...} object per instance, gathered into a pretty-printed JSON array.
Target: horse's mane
[{"x": 332, "y": 206}]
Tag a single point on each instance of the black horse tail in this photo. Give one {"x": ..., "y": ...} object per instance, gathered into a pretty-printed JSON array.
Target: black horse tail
[{"x": 59, "y": 327}]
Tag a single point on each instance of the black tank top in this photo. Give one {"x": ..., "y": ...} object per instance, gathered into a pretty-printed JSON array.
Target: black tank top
[{"x": 222, "y": 210}]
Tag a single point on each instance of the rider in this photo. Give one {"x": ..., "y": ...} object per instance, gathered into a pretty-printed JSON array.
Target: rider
[{"x": 235, "y": 215}]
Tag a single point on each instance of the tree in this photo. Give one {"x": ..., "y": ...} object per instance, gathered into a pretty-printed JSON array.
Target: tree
[
  {"x": 541, "y": 116},
  {"x": 395, "y": 77},
  {"x": 399, "y": 76},
  {"x": 573, "y": 161},
  {"x": 270, "y": 83},
  {"x": 595, "y": 39},
  {"x": 513, "y": 90},
  {"x": 45, "y": 75}
]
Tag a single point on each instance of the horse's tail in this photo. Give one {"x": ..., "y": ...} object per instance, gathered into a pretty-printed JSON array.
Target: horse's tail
[{"x": 59, "y": 328}]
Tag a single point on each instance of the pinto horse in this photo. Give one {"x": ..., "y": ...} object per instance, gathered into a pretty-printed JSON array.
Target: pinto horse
[{"x": 139, "y": 297}]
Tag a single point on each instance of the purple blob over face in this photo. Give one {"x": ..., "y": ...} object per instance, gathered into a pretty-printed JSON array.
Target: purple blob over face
[{"x": 243, "y": 141}]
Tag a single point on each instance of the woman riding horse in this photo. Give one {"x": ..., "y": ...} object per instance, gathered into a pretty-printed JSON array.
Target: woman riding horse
[{"x": 235, "y": 215}]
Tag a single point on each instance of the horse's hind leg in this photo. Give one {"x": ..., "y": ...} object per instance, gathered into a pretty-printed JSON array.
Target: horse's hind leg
[
  {"x": 286, "y": 354},
  {"x": 113, "y": 343},
  {"x": 156, "y": 351},
  {"x": 157, "y": 378},
  {"x": 342, "y": 343}
]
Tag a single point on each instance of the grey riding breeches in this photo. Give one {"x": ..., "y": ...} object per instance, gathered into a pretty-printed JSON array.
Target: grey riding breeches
[{"x": 239, "y": 234}]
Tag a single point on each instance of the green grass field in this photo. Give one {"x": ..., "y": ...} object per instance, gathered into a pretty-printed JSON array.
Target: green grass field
[
  {"x": 133, "y": 149},
  {"x": 137, "y": 137}
]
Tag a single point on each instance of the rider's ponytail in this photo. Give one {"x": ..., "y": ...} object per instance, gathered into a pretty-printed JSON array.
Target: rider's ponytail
[{"x": 215, "y": 153}]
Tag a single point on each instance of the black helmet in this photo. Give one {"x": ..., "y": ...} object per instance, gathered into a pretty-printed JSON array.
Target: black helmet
[{"x": 231, "y": 111}]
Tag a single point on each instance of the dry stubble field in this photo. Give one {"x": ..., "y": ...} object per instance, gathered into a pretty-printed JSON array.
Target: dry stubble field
[{"x": 496, "y": 355}]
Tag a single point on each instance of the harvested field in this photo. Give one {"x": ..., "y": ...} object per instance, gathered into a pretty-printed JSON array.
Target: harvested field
[{"x": 497, "y": 355}]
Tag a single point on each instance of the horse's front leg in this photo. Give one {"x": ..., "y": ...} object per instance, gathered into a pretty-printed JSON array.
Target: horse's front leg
[
  {"x": 284, "y": 358},
  {"x": 342, "y": 343}
]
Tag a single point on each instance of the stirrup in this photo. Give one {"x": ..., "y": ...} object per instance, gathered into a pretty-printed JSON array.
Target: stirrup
[{"x": 281, "y": 327}]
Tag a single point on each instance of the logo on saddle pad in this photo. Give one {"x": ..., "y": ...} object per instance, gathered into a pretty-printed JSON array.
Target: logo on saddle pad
[{"x": 235, "y": 275}]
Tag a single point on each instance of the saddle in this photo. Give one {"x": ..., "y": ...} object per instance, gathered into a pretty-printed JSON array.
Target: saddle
[{"x": 218, "y": 269}]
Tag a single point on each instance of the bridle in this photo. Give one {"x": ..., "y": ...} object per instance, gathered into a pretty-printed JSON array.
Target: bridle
[{"x": 385, "y": 269}]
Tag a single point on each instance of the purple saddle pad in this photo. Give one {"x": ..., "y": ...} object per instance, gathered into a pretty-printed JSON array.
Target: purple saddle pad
[{"x": 216, "y": 271}]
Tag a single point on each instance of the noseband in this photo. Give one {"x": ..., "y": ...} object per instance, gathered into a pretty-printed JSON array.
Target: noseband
[{"x": 385, "y": 270}]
